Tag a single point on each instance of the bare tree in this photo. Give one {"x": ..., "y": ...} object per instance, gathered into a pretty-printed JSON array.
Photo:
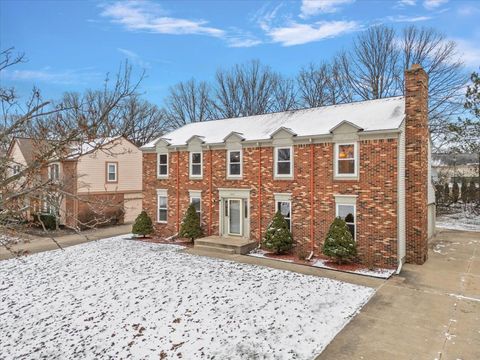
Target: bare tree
[
  {"x": 285, "y": 94},
  {"x": 188, "y": 102}
]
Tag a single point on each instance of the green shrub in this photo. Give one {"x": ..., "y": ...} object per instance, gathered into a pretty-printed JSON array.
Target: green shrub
[
  {"x": 143, "y": 225},
  {"x": 339, "y": 243},
  {"x": 48, "y": 220},
  {"x": 190, "y": 227},
  {"x": 464, "y": 193},
  {"x": 277, "y": 237},
  {"x": 455, "y": 192}
]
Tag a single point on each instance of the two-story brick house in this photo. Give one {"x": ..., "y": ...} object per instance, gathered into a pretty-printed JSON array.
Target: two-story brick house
[{"x": 367, "y": 162}]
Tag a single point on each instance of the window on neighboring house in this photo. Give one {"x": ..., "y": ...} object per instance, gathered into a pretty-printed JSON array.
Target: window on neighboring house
[
  {"x": 162, "y": 165},
  {"x": 346, "y": 159},
  {"x": 283, "y": 162},
  {"x": 162, "y": 203},
  {"x": 16, "y": 169},
  {"x": 196, "y": 164},
  {"x": 46, "y": 208},
  {"x": 54, "y": 172},
  {"x": 112, "y": 172},
  {"x": 347, "y": 213},
  {"x": 197, "y": 203},
  {"x": 234, "y": 163},
  {"x": 285, "y": 208}
]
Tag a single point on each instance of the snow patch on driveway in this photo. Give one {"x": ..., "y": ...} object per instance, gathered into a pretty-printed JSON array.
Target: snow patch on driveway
[{"x": 118, "y": 298}]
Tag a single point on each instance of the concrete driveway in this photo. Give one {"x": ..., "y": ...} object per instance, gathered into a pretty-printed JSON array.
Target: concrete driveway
[{"x": 429, "y": 312}]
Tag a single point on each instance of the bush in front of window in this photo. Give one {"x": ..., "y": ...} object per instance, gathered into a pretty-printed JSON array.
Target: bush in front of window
[
  {"x": 143, "y": 225},
  {"x": 48, "y": 220},
  {"x": 190, "y": 227},
  {"x": 339, "y": 244},
  {"x": 277, "y": 237}
]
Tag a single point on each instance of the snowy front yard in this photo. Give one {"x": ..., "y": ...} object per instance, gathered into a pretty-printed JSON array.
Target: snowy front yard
[{"x": 120, "y": 298}]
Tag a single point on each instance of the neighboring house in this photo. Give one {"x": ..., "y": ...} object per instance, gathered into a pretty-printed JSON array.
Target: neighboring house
[
  {"x": 97, "y": 182},
  {"x": 454, "y": 167},
  {"x": 367, "y": 162}
]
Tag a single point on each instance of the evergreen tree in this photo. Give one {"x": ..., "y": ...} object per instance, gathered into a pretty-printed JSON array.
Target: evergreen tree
[
  {"x": 339, "y": 243},
  {"x": 464, "y": 193},
  {"x": 277, "y": 237},
  {"x": 439, "y": 193},
  {"x": 190, "y": 227},
  {"x": 472, "y": 192},
  {"x": 455, "y": 192},
  {"x": 446, "y": 193},
  {"x": 143, "y": 225}
]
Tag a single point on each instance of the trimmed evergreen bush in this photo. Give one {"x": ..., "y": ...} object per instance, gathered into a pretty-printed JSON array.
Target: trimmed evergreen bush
[
  {"x": 339, "y": 243},
  {"x": 464, "y": 193},
  {"x": 190, "y": 227},
  {"x": 277, "y": 236},
  {"x": 455, "y": 192},
  {"x": 48, "y": 220},
  {"x": 472, "y": 190},
  {"x": 143, "y": 225},
  {"x": 446, "y": 193}
]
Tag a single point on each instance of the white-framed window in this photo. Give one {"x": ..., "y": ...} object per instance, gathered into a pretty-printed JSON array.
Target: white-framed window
[
  {"x": 162, "y": 168},
  {"x": 196, "y": 164},
  {"x": 346, "y": 160},
  {"x": 285, "y": 208},
  {"x": 16, "y": 169},
  {"x": 54, "y": 172},
  {"x": 162, "y": 206},
  {"x": 347, "y": 212},
  {"x": 196, "y": 200},
  {"x": 234, "y": 163},
  {"x": 112, "y": 172},
  {"x": 283, "y": 162}
]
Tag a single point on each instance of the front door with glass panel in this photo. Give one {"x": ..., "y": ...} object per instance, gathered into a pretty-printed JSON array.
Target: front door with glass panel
[{"x": 234, "y": 215}]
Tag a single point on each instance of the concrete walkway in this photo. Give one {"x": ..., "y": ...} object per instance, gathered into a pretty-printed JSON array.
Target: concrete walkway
[
  {"x": 38, "y": 244},
  {"x": 429, "y": 312}
]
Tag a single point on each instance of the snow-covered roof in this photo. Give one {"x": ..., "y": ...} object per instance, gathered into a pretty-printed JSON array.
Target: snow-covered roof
[{"x": 371, "y": 115}]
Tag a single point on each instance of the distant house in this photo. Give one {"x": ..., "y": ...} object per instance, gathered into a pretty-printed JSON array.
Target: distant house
[
  {"x": 454, "y": 167},
  {"x": 366, "y": 162},
  {"x": 97, "y": 182}
]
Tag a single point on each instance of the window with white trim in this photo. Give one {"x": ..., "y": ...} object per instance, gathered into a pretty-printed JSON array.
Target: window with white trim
[
  {"x": 196, "y": 164},
  {"x": 112, "y": 169},
  {"x": 162, "y": 206},
  {"x": 284, "y": 161},
  {"x": 346, "y": 160},
  {"x": 54, "y": 172},
  {"x": 347, "y": 212},
  {"x": 162, "y": 161},
  {"x": 16, "y": 169},
  {"x": 197, "y": 203},
  {"x": 285, "y": 208},
  {"x": 234, "y": 159}
]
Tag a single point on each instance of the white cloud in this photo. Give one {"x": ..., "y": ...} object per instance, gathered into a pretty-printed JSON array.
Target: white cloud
[
  {"x": 134, "y": 58},
  {"x": 296, "y": 33},
  {"x": 240, "y": 42},
  {"x": 407, "y": 2},
  {"x": 433, "y": 4},
  {"x": 65, "y": 77},
  {"x": 314, "y": 7},
  {"x": 403, "y": 18},
  {"x": 470, "y": 52},
  {"x": 147, "y": 16},
  {"x": 468, "y": 10}
]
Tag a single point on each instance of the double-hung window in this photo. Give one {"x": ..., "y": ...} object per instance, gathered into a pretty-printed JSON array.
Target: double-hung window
[
  {"x": 54, "y": 172},
  {"x": 285, "y": 208},
  {"x": 346, "y": 162},
  {"x": 162, "y": 206},
  {"x": 196, "y": 165},
  {"x": 162, "y": 161},
  {"x": 16, "y": 169},
  {"x": 112, "y": 172},
  {"x": 284, "y": 162},
  {"x": 234, "y": 165},
  {"x": 347, "y": 213}
]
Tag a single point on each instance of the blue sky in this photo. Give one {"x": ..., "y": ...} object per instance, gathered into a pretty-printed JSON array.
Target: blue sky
[{"x": 70, "y": 45}]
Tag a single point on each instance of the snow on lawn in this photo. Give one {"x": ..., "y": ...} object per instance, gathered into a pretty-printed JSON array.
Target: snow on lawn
[
  {"x": 119, "y": 298},
  {"x": 377, "y": 272},
  {"x": 462, "y": 220}
]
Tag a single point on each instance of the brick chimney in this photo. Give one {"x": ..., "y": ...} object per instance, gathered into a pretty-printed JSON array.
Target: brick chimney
[{"x": 416, "y": 164}]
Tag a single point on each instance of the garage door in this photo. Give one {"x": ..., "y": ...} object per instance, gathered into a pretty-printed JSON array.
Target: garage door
[{"x": 133, "y": 206}]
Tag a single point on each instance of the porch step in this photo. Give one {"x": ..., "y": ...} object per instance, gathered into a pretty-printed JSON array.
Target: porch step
[
  {"x": 228, "y": 245},
  {"x": 215, "y": 249}
]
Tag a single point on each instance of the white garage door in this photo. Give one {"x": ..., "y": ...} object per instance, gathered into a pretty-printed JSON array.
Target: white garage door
[{"x": 133, "y": 206}]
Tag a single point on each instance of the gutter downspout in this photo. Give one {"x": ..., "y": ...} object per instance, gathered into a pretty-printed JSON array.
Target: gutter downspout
[
  {"x": 312, "y": 195},
  {"x": 210, "y": 193},
  {"x": 259, "y": 193},
  {"x": 178, "y": 190}
]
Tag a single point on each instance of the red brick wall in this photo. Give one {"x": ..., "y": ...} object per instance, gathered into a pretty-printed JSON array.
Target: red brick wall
[
  {"x": 376, "y": 190},
  {"x": 416, "y": 170}
]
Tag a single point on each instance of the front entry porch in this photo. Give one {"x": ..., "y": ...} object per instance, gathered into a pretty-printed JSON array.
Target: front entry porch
[{"x": 225, "y": 244}]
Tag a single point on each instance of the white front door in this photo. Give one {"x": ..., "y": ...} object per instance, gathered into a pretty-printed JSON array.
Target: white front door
[{"x": 234, "y": 215}]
